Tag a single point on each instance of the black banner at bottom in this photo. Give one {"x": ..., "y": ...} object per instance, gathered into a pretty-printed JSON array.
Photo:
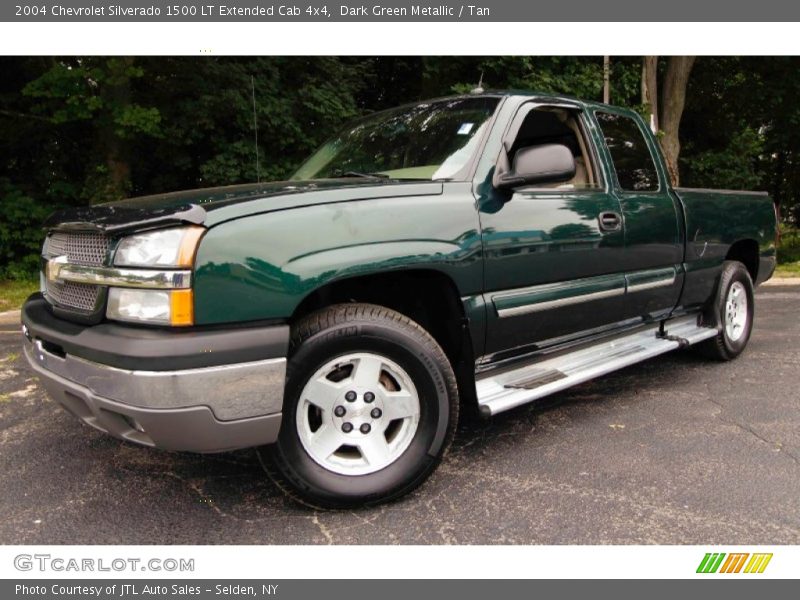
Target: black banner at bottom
[{"x": 375, "y": 589}]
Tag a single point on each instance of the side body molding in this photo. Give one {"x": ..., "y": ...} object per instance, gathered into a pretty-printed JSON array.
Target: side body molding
[{"x": 554, "y": 295}]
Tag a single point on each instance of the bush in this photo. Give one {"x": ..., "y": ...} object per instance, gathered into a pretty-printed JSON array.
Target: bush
[
  {"x": 21, "y": 235},
  {"x": 789, "y": 248}
]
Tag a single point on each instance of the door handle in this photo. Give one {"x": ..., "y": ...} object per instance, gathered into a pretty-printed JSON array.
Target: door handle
[{"x": 610, "y": 221}]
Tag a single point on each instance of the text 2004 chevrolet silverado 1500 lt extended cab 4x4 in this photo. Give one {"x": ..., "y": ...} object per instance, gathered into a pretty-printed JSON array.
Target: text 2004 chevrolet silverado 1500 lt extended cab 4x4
[{"x": 482, "y": 250}]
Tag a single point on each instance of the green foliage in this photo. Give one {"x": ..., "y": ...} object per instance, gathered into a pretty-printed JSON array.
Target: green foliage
[
  {"x": 132, "y": 120},
  {"x": 734, "y": 166},
  {"x": 79, "y": 130},
  {"x": 573, "y": 76},
  {"x": 20, "y": 233},
  {"x": 97, "y": 95},
  {"x": 90, "y": 89},
  {"x": 789, "y": 249},
  {"x": 207, "y": 116},
  {"x": 749, "y": 104},
  {"x": 70, "y": 91},
  {"x": 789, "y": 253}
]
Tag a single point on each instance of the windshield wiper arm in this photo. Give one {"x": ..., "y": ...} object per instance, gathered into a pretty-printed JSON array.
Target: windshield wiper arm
[{"x": 359, "y": 174}]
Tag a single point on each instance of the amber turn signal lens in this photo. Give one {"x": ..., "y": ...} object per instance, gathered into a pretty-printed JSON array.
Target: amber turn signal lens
[
  {"x": 189, "y": 243},
  {"x": 181, "y": 308}
]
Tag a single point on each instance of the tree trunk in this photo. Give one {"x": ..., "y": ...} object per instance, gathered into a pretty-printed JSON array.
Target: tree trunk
[
  {"x": 116, "y": 94},
  {"x": 607, "y": 79},
  {"x": 673, "y": 98},
  {"x": 777, "y": 181},
  {"x": 650, "y": 89}
]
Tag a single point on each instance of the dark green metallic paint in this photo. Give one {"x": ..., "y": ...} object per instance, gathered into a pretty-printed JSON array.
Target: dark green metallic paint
[
  {"x": 212, "y": 206},
  {"x": 262, "y": 266},
  {"x": 271, "y": 262},
  {"x": 537, "y": 298},
  {"x": 553, "y": 296},
  {"x": 653, "y": 225},
  {"x": 651, "y": 277},
  {"x": 715, "y": 221},
  {"x": 540, "y": 238},
  {"x": 271, "y": 245},
  {"x": 536, "y": 237}
]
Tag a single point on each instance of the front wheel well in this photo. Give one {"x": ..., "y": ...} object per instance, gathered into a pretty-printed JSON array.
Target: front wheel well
[
  {"x": 746, "y": 252},
  {"x": 428, "y": 297}
]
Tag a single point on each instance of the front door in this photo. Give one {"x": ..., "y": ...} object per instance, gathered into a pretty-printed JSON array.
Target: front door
[{"x": 552, "y": 252}]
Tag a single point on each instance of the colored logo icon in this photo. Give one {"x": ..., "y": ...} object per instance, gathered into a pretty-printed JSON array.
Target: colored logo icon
[{"x": 735, "y": 562}]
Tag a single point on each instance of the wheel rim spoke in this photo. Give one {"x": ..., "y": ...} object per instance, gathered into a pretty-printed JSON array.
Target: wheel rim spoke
[
  {"x": 327, "y": 440},
  {"x": 322, "y": 393},
  {"x": 400, "y": 405},
  {"x": 367, "y": 371},
  {"x": 374, "y": 449}
]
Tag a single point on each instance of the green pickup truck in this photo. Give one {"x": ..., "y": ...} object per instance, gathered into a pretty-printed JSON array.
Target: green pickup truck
[{"x": 476, "y": 252}]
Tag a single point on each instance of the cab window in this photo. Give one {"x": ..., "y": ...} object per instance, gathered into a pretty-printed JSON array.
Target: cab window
[{"x": 633, "y": 163}]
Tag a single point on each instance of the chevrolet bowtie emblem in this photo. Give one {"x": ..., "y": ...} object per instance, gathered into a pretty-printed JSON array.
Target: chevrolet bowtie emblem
[{"x": 54, "y": 268}]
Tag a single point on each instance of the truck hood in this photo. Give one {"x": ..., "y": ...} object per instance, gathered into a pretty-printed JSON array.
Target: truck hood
[{"x": 211, "y": 206}]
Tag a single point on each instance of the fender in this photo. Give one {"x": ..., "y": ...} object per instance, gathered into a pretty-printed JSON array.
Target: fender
[{"x": 262, "y": 266}]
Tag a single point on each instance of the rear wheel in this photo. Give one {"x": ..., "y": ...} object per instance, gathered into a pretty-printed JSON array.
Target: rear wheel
[
  {"x": 370, "y": 408},
  {"x": 731, "y": 312}
]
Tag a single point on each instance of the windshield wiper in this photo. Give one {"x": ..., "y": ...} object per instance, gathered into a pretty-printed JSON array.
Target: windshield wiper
[{"x": 359, "y": 174}]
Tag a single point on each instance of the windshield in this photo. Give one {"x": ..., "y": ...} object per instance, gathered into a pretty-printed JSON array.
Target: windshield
[{"x": 432, "y": 140}]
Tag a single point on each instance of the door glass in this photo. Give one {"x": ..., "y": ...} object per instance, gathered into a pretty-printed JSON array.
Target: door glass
[
  {"x": 554, "y": 125},
  {"x": 633, "y": 163}
]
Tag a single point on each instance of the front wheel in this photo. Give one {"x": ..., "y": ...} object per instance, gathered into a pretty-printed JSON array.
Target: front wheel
[
  {"x": 731, "y": 312},
  {"x": 370, "y": 408}
]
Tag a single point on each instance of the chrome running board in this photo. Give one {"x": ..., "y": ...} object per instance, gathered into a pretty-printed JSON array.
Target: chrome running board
[{"x": 497, "y": 393}]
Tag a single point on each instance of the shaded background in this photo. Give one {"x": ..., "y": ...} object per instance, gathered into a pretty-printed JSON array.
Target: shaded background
[{"x": 82, "y": 130}]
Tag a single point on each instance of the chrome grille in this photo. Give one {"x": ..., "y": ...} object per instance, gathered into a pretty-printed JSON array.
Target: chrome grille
[
  {"x": 79, "y": 248},
  {"x": 72, "y": 295}
]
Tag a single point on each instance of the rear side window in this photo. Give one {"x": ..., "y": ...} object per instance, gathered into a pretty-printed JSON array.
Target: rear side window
[{"x": 633, "y": 162}]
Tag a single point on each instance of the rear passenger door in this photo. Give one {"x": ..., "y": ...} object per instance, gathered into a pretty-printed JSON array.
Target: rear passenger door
[{"x": 653, "y": 257}]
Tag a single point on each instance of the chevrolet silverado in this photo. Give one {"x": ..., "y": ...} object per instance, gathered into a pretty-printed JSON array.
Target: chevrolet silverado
[{"x": 476, "y": 252}]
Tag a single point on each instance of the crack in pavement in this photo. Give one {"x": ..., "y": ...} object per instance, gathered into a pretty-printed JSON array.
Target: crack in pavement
[
  {"x": 204, "y": 498},
  {"x": 531, "y": 483},
  {"x": 747, "y": 428},
  {"x": 207, "y": 500},
  {"x": 323, "y": 529}
]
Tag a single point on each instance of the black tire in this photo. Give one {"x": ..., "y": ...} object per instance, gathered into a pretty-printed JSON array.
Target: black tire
[
  {"x": 722, "y": 347},
  {"x": 351, "y": 328}
]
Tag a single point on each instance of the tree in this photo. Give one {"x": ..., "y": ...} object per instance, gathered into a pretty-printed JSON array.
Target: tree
[
  {"x": 650, "y": 90},
  {"x": 95, "y": 93},
  {"x": 667, "y": 111},
  {"x": 77, "y": 130},
  {"x": 673, "y": 99}
]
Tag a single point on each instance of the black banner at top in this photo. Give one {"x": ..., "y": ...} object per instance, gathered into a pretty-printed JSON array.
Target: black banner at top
[{"x": 397, "y": 11}]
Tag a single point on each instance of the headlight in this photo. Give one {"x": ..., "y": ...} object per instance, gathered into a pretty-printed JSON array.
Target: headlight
[
  {"x": 157, "y": 307},
  {"x": 163, "y": 248},
  {"x": 159, "y": 252}
]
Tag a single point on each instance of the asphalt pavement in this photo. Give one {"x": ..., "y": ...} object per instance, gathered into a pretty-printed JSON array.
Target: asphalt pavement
[{"x": 677, "y": 450}]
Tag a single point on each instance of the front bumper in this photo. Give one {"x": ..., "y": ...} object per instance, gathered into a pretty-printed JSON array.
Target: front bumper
[{"x": 173, "y": 390}]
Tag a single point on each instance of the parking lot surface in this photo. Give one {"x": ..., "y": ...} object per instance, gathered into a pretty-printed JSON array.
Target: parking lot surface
[{"x": 677, "y": 450}]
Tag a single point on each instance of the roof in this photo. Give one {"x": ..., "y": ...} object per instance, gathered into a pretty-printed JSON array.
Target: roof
[
  {"x": 510, "y": 93},
  {"x": 542, "y": 94}
]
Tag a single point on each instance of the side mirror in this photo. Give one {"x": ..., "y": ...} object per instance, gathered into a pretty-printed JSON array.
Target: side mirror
[{"x": 545, "y": 163}]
